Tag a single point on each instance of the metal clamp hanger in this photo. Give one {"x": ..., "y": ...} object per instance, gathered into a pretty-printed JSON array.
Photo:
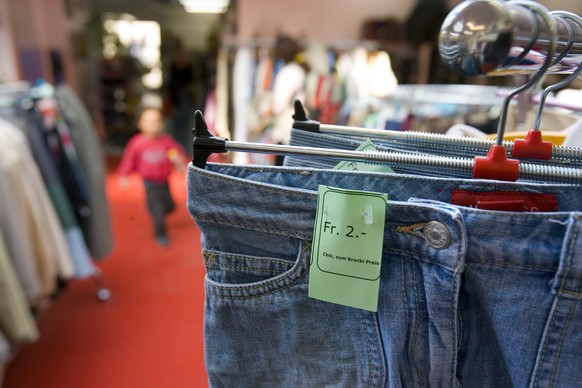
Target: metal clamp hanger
[
  {"x": 570, "y": 17},
  {"x": 496, "y": 164},
  {"x": 487, "y": 36},
  {"x": 205, "y": 144},
  {"x": 533, "y": 145},
  {"x": 559, "y": 154}
]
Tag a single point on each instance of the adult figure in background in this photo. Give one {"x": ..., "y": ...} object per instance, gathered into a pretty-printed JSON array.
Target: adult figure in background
[{"x": 179, "y": 103}]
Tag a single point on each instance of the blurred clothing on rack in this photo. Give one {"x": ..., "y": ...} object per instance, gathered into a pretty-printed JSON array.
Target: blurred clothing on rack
[
  {"x": 28, "y": 219},
  {"x": 97, "y": 226},
  {"x": 52, "y": 202},
  {"x": 267, "y": 77},
  {"x": 16, "y": 320}
]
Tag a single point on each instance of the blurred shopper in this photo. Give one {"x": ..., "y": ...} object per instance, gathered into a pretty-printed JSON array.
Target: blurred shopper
[{"x": 152, "y": 155}]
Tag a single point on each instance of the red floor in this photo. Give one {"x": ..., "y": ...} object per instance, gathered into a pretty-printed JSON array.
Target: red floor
[{"x": 149, "y": 334}]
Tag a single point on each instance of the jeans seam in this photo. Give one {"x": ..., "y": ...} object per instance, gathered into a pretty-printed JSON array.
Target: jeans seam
[
  {"x": 569, "y": 260},
  {"x": 415, "y": 328},
  {"x": 369, "y": 348},
  {"x": 543, "y": 357},
  {"x": 558, "y": 296},
  {"x": 273, "y": 260},
  {"x": 507, "y": 265},
  {"x": 561, "y": 343},
  {"x": 210, "y": 291},
  {"x": 454, "y": 358},
  {"x": 409, "y": 374},
  {"x": 249, "y": 268},
  {"x": 454, "y": 307},
  {"x": 235, "y": 180},
  {"x": 282, "y": 232},
  {"x": 562, "y": 337},
  {"x": 415, "y": 256}
]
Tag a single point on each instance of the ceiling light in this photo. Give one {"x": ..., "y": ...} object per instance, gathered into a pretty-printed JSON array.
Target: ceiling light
[{"x": 205, "y": 6}]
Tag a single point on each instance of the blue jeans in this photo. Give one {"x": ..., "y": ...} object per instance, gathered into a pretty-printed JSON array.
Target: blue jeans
[{"x": 496, "y": 306}]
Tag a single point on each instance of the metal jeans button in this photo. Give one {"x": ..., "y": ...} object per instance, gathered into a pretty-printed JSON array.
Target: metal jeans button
[{"x": 436, "y": 234}]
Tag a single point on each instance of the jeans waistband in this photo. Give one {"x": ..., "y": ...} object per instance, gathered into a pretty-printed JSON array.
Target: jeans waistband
[{"x": 282, "y": 201}]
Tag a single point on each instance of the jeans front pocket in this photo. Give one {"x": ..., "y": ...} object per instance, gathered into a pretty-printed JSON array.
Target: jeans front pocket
[
  {"x": 261, "y": 329},
  {"x": 233, "y": 268}
]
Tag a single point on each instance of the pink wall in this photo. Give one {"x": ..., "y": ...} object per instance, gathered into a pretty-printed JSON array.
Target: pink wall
[
  {"x": 9, "y": 67},
  {"x": 333, "y": 19},
  {"x": 314, "y": 19},
  {"x": 36, "y": 27}
]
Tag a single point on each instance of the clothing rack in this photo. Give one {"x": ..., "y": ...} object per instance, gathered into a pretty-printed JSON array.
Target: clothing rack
[
  {"x": 12, "y": 94},
  {"x": 491, "y": 37}
]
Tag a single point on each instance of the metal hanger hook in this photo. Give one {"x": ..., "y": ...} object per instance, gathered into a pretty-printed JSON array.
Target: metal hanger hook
[
  {"x": 545, "y": 14},
  {"x": 569, "y": 17}
]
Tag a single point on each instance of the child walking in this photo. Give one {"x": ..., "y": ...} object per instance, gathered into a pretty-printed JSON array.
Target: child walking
[{"x": 152, "y": 154}]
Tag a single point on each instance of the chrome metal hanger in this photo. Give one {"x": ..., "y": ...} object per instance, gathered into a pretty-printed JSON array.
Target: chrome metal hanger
[
  {"x": 570, "y": 17},
  {"x": 489, "y": 36}
]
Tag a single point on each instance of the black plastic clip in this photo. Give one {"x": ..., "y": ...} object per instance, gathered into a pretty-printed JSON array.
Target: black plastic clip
[
  {"x": 204, "y": 143},
  {"x": 301, "y": 121}
]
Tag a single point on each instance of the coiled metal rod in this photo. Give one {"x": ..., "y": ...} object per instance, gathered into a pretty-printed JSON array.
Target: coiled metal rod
[{"x": 545, "y": 173}]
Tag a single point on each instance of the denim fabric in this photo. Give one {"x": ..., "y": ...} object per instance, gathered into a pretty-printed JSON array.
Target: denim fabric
[
  {"x": 304, "y": 138},
  {"x": 496, "y": 307}
]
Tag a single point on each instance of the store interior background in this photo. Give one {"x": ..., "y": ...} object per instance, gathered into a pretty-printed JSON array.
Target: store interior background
[
  {"x": 64, "y": 41},
  {"x": 32, "y": 32}
]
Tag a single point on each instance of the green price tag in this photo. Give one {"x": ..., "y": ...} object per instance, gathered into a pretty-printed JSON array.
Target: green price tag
[
  {"x": 361, "y": 166},
  {"x": 347, "y": 247}
]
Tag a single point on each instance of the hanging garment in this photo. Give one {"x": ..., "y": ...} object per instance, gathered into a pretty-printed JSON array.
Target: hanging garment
[
  {"x": 264, "y": 72},
  {"x": 57, "y": 193},
  {"x": 60, "y": 144},
  {"x": 5, "y": 355},
  {"x": 242, "y": 77},
  {"x": 222, "y": 124},
  {"x": 97, "y": 227},
  {"x": 288, "y": 85},
  {"x": 16, "y": 320},
  {"x": 34, "y": 236},
  {"x": 573, "y": 135},
  {"x": 467, "y": 297}
]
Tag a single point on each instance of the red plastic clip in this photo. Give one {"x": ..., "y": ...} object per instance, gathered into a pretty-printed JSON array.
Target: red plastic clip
[
  {"x": 532, "y": 147},
  {"x": 496, "y": 165}
]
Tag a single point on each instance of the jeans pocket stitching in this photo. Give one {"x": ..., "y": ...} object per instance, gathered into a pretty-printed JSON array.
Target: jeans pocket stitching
[{"x": 296, "y": 273}]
